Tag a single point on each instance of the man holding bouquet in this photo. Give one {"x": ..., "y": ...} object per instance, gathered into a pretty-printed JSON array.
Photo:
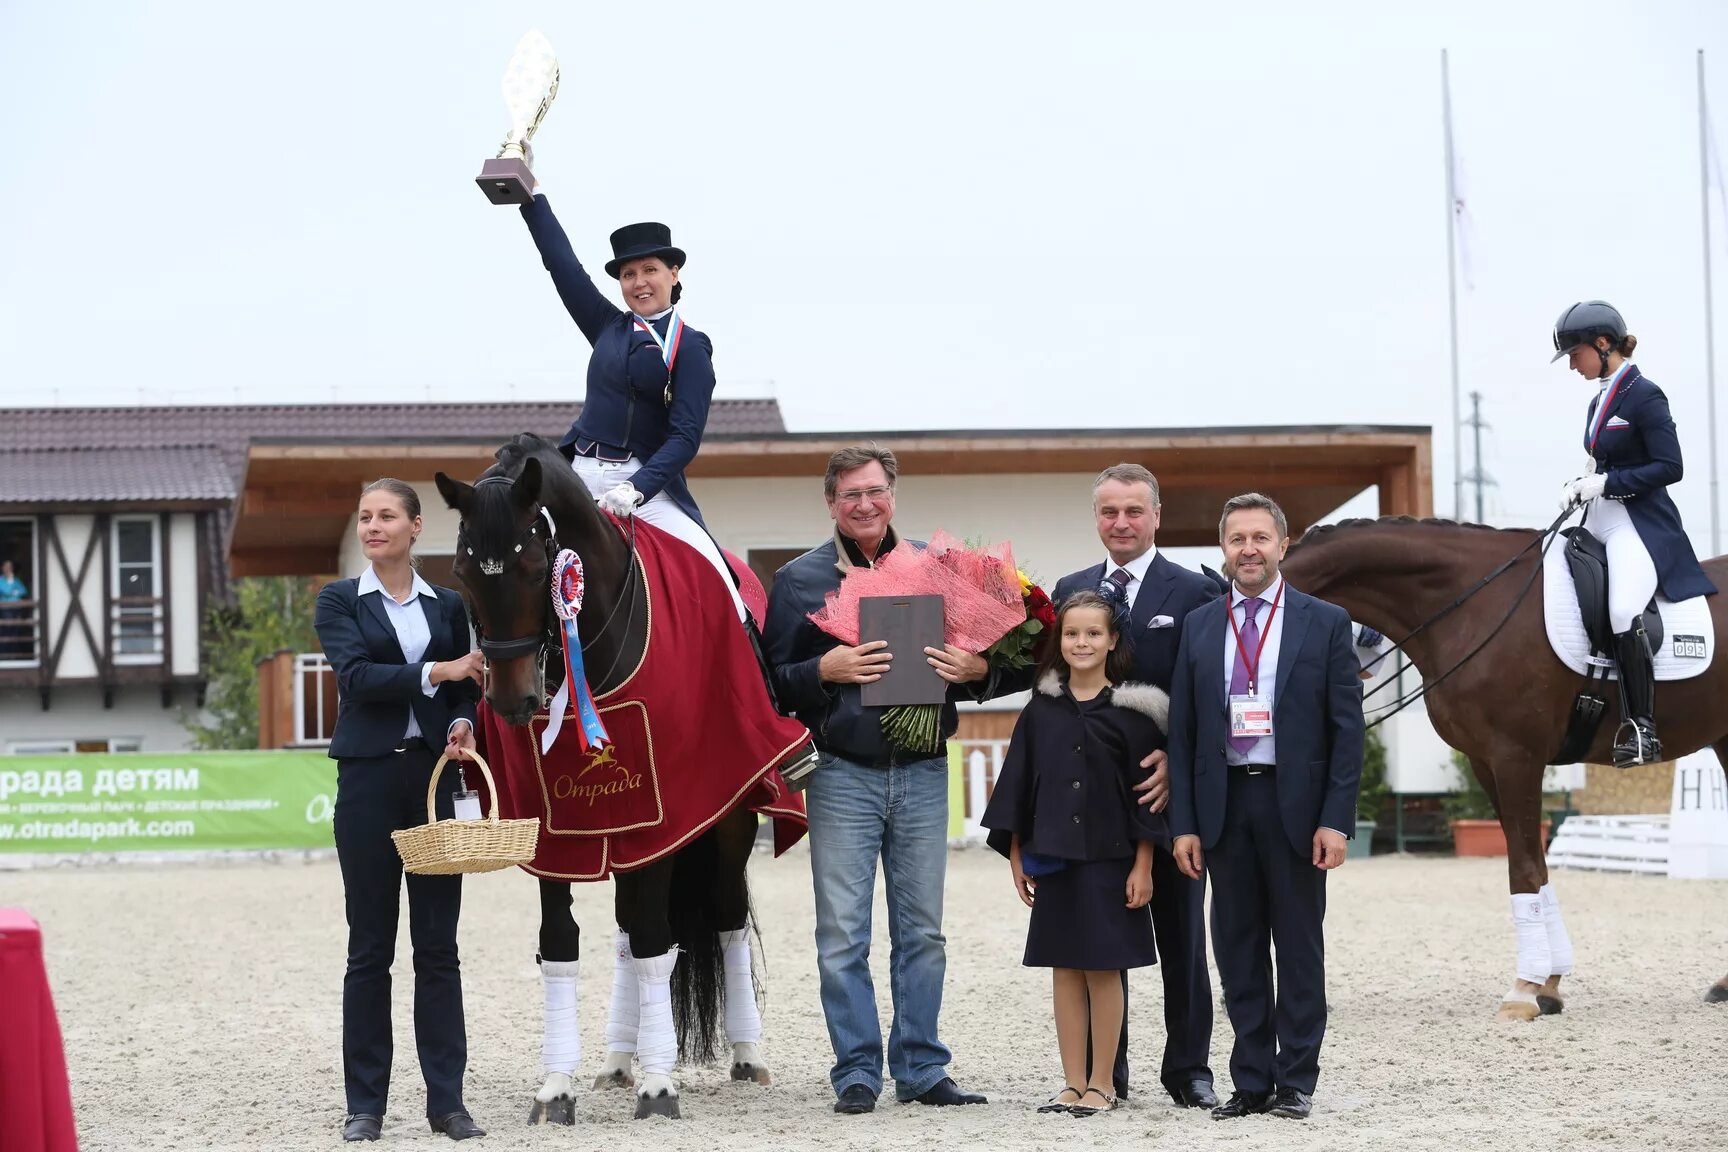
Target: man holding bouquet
[{"x": 870, "y": 798}]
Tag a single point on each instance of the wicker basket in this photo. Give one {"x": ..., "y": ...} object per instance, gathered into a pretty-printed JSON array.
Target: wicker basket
[{"x": 447, "y": 847}]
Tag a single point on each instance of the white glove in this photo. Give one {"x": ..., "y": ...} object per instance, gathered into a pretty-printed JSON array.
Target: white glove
[
  {"x": 622, "y": 500},
  {"x": 1582, "y": 490}
]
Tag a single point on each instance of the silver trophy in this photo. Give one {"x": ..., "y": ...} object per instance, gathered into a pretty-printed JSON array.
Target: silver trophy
[{"x": 530, "y": 83}]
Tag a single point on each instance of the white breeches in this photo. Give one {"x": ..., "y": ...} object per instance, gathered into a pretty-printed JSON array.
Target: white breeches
[
  {"x": 602, "y": 476},
  {"x": 1631, "y": 574}
]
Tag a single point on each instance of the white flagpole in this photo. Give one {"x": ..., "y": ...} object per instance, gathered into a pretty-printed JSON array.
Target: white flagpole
[
  {"x": 1709, "y": 308},
  {"x": 1452, "y": 294}
]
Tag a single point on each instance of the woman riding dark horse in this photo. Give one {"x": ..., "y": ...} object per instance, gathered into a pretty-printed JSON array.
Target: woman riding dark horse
[
  {"x": 650, "y": 383},
  {"x": 1634, "y": 456},
  {"x": 682, "y": 950}
]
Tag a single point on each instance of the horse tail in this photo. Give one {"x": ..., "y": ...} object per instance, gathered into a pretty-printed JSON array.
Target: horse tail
[{"x": 699, "y": 979}]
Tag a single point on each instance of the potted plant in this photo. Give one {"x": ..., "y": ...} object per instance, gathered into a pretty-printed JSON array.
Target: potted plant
[
  {"x": 1475, "y": 827},
  {"x": 1370, "y": 795}
]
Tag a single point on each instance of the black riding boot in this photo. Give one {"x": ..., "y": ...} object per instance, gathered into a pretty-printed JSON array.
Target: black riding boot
[
  {"x": 797, "y": 768},
  {"x": 1635, "y": 743}
]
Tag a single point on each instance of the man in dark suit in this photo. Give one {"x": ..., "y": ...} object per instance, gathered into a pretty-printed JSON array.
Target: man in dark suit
[
  {"x": 1159, "y": 594},
  {"x": 1266, "y": 736}
]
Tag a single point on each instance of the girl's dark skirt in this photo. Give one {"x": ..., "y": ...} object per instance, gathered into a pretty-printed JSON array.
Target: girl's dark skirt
[{"x": 1081, "y": 919}]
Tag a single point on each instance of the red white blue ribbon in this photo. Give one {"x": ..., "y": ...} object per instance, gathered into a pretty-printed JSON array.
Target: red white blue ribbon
[
  {"x": 669, "y": 343},
  {"x": 568, "y": 587}
]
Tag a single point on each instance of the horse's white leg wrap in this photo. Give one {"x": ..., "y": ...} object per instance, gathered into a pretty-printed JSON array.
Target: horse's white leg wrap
[
  {"x": 1535, "y": 962},
  {"x": 561, "y": 1049},
  {"x": 1559, "y": 940},
  {"x": 656, "y": 1039},
  {"x": 621, "y": 1022},
  {"x": 743, "y": 1017}
]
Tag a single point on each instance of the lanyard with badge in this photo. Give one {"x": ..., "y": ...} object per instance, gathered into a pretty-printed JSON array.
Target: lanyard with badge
[
  {"x": 1251, "y": 714},
  {"x": 668, "y": 344}
]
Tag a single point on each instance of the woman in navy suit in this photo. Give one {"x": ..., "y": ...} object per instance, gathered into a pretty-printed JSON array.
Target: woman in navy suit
[
  {"x": 408, "y": 684},
  {"x": 1634, "y": 457},
  {"x": 650, "y": 382}
]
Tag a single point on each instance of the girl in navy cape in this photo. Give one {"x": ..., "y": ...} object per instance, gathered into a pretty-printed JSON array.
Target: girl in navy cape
[{"x": 1080, "y": 848}]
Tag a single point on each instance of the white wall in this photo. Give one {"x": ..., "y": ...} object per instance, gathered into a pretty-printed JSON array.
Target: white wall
[
  {"x": 180, "y": 551},
  {"x": 77, "y": 714}
]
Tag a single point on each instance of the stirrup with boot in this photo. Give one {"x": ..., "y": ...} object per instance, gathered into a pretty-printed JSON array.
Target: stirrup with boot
[
  {"x": 1635, "y": 743},
  {"x": 797, "y": 768}
]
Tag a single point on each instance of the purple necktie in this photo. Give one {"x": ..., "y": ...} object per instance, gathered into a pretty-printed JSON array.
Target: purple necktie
[{"x": 1247, "y": 640}]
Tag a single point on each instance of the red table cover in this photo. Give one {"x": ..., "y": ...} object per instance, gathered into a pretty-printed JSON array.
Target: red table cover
[{"x": 35, "y": 1101}]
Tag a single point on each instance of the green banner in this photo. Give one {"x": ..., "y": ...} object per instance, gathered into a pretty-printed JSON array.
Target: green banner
[{"x": 166, "y": 802}]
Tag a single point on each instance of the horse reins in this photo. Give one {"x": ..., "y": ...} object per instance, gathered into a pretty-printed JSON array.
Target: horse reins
[{"x": 1545, "y": 539}]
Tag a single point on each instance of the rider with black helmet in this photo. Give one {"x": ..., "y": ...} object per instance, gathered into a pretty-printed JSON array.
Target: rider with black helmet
[{"x": 1634, "y": 456}]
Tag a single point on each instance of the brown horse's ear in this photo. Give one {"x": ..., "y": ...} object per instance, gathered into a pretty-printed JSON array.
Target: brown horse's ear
[
  {"x": 456, "y": 494},
  {"x": 526, "y": 490}
]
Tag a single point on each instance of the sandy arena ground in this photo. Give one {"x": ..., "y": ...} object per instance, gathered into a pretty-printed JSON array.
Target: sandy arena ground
[{"x": 201, "y": 1010}]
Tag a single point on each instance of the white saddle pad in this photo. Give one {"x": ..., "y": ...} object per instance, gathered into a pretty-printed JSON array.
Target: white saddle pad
[{"x": 1688, "y": 643}]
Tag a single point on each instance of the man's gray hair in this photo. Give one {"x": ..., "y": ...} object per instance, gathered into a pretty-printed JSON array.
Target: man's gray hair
[
  {"x": 858, "y": 456},
  {"x": 1254, "y": 500},
  {"x": 1128, "y": 474}
]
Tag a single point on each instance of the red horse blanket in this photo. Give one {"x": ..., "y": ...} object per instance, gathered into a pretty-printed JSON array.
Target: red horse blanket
[{"x": 694, "y": 736}]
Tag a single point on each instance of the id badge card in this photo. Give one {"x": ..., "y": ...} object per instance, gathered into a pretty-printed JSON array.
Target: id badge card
[
  {"x": 1250, "y": 717},
  {"x": 467, "y": 802}
]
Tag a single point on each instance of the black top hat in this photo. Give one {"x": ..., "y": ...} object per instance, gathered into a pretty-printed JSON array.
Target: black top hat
[{"x": 634, "y": 241}]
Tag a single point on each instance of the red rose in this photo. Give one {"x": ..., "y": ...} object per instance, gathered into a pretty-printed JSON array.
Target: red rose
[
  {"x": 1036, "y": 600},
  {"x": 1045, "y": 615}
]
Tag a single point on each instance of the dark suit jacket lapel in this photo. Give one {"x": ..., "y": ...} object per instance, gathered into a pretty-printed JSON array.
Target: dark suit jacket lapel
[
  {"x": 1295, "y": 613},
  {"x": 1154, "y": 590},
  {"x": 1209, "y": 661},
  {"x": 374, "y": 603}
]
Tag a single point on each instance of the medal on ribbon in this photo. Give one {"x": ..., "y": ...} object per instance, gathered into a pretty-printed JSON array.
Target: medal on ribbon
[
  {"x": 568, "y": 587},
  {"x": 668, "y": 344}
]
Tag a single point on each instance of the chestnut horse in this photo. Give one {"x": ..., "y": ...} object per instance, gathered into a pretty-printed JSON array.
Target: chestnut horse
[{"x": 1506, "y": 705}]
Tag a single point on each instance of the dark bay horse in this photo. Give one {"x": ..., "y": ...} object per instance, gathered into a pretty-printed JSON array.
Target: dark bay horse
[
  {"x": 1506, "y": 707},
  {"x": 683, "y": 900}
]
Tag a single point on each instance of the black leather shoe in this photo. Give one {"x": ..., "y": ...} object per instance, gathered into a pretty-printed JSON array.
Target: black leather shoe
[
  {"x": 456, "y": 1125},
  {"x": 1291, "y": 1104},
  {"x": 1243, "y": 1104},
  {"x": 945, "y": 1093},
  {"x": 855, "y": 1101},
  {"x": 1194, "y": 1094},
  {"x": 360, "y": 1126}
]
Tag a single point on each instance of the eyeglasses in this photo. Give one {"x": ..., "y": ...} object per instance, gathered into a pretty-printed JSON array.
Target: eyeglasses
[{"x": 857, "y": 495}]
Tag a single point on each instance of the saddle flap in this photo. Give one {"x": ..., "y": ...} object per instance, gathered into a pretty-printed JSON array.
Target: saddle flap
[{"x": 1588, "y": 559}]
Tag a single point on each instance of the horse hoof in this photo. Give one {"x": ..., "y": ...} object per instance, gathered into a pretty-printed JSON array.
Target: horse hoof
[
  {"x": 616, "y": 1078},
  {"x": 1718, "y": 994},
  {"x": 558, "y": 1110},
  {"x": 1550, "y": 1005},
  {"x": 665, "y": 1104},
  {"x": 1517, "y": 1012},
  {"x": 752, "y": 1073}
]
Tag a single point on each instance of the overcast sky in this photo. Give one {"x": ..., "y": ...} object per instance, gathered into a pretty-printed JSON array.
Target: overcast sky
[{"x": 899, "y": 215}]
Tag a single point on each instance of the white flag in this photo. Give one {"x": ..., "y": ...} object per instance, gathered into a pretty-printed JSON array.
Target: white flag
[{"x": 1463, "y": 227}]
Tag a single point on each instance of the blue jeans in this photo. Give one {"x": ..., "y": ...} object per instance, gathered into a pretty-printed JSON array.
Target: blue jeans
[{"x": 901, "y": 814}]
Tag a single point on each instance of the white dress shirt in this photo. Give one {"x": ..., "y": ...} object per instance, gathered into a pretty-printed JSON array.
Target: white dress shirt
[
  {"x": 1595, "y": 409},
  {"x": 1271, "y": 625},
  {"x": 1136, "y": 571},
  {"x": 412, "y": 631}
]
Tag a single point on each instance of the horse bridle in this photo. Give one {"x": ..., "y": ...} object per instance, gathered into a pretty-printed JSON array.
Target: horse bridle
[
  {"x": 547, "y": 639},
  {"x": 1546, "y": 539}
]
